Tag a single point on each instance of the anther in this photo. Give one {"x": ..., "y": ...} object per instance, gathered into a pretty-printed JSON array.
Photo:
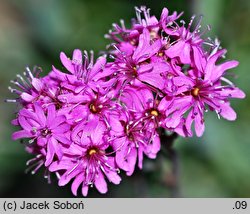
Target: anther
[
  {"x": 92, "y": 108},
  {"x": 92, "y": 152},
  {"x": 154, "y": 112},
  {"x": 195, "y": 92}
]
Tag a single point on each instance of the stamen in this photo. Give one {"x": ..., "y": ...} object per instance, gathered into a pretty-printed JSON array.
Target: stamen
[
  {"x": 28, "y": 71},
  {"x": 195, "y": 92},
  {"x": 93, "y": 108},
  {"x": 191, "y": 22},
  {"x": 154, "y": 112},
  {"x": 138, "y": 14},
  {"x": 92, "y": 151},
  {"x": 73, "y": 169},
  {"x": 160, "y": 54},
  {"x": 10, "y": 101},
  {"x": 122, "y": 24},
  {"x": 227, "y": 81}
]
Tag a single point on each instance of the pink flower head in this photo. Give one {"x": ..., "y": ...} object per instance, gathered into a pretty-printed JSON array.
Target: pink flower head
[{"x": 86, "y": 124}]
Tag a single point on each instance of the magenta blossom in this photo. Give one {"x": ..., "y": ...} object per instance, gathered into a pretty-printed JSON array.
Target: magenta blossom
[
  {"x": 47, "y": 131},
  {"x": 136, "y": 67},
  {"x": 29, "y": 88},
  {"x": 131, "y": 141},
  {"x": 196, "y": 94},
  {"x": 85, "y": 73},
  {"x": 87, "y": 162}
]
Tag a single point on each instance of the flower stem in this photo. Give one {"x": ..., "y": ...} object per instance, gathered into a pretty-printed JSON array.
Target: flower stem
[{"x": 172, "y": 179}]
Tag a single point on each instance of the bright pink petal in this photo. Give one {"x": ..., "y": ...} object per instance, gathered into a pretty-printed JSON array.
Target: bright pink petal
[
  {"x": 100, "y": 183},
  {"x": 131, "y": 159},
  {"x": 27, "y": 97},
  {"x": 59, "y": 165},
  {"x": 67, "y": 63},
  {"x": 21, "y": 134},
  {"x": 62, "y": 128},
  {"x": 61, "y": 138},
  {"x": 227, "y": 112},
  {"x": 98, "y": 66},
  {"x": 97, "y": 133},
  {"x": 51, "y": 114},
  {"x": 40, "y": 114},
  {"x": 154, "y": 147},
  {"x": 113, "y": 177},
  {"x": 24, "y": 123},
  {"x": 76, "y": 183},
  {"x": 232, "y": 93},
  {"x": 37, "y": 84},
  {"x": 67, "y": 176},
  {"x": 41, "y": 141},
  {"x": 51, "y": 150},
  {"x": 85, "y": 189},
  {"x": 77, "y": 57},
  {"x": 199, "y": 124}
]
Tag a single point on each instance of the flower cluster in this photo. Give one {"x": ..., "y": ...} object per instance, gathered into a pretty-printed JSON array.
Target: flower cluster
[{"x": 99, "y": 117}]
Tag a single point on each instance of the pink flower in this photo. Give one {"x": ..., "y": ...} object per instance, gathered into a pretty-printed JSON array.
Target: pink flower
[
  {"x": 85, "y": 73},
  {"x": 131, "y": 141},
  {"x": 188, "y": 45},
  {"x": 136, "y": 67},
  {"x": 195, "y": 94},
  {"x": 29, "y": 88},
  {"x": 123, "y": 35},
  {"x": 87, "y": 162},
  {"x": 142, "y": 104},
  {"x": 48, "y": 131}
]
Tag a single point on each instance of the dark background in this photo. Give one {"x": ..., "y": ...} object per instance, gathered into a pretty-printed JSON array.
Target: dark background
[{"x": 34, "y": 32}]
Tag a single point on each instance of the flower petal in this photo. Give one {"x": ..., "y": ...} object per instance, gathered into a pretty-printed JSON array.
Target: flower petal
[
  {"x": 199, "y": 124},
  {"x": 61, "y": 138},
  {"x": 40, "y": 114},
  {"x": 85, "y": 189},
  {"x": 27, "y": 97},
  {"x": 51, "y": 114},
  {"x": 100, "y": 183},
  {"x": 41, "y": 141},
  {"x": 227, "y": 112},
  {"x": 67, "y": 63},
  {"x": 76, "y": 183},
  {"x": 37, "y": 84},
  {"x": 21, "y": 134},
  {"x": 77, "y": 57}
]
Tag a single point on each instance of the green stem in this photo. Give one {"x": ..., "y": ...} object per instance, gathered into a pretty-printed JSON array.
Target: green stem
[{"x": 167, "y": 142}]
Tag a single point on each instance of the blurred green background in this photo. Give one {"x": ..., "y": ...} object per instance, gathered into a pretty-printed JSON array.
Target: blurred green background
[{"x": 33, "y": 32}]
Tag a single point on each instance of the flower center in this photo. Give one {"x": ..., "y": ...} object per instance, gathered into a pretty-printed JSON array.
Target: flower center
[
  {"x": 45, "y": 132},
  {"x": 93, "y": 108},
  {"x": 134, "y": 72},
  {"x": 160, "y": 53},
  {"x": 92, "y": 151},
  {"x": 195, "y": 92},
  {"x": 154, "y": 113},
  {"x": 128, "y": 133}
]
